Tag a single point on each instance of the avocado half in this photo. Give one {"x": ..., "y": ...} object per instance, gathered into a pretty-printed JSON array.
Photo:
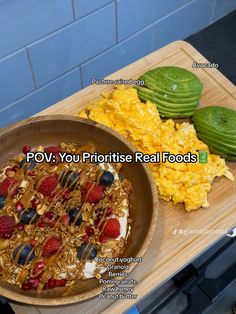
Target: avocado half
[
  {"x": 216, "y": 126},
  {"x": 175, "y": 91}
]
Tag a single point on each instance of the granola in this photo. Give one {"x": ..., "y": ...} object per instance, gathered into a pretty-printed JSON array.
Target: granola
[{"x": 55, "y": 218}]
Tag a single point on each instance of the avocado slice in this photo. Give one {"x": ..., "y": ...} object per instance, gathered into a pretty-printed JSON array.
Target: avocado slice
[
  {"x": 167, "y": 104},
  {"x": 166, "y": 97},
  {"x": 175, "y": 115},
  {"x": 175, "y": 79},
  {"x": 220, "y": 145},
  {"x": 229, "y": 139},
  {"x": 168, "y": 107},
  {"x": 156, "y": 86},
  {"x": 217, "y": 118}
]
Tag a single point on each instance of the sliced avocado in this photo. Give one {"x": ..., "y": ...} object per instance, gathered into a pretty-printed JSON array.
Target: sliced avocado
[
  {"x": 198, "y": 121},
  {"x": 157, "y": 87},
  {"x": 229, "y": 139},
  {"x": 166, "y": 105},
  {"x": 175, "y": 115},
  {"x": 161, "y": 84},
  {"x": 210, "y": 144},
  {"x": 171, "y": 113},
  {"x": 225, "y": 156},
  {"x": 217, "y": 118},
  {"x": 231, "y": 149},
  {"x": 175, "y": 79},
  {"x": 166, "y": 97}
]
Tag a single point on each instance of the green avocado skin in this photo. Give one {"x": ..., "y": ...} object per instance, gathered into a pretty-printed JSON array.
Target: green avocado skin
[
  {"x": 228, "y": 148},
  {"x": 216, "y": 126},
  {"x": 151, "y": 84},
  {"x": 217, "y": 118},
  {"x": 170, "y": 112},
  {"x": 174, "y": 90},
  {"x": 204, "y": 129},
  {"x": 167, "y": 99}
]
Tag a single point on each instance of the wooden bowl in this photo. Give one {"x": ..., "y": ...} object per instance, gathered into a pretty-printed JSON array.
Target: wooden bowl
[{"x": 51, "y": 130}]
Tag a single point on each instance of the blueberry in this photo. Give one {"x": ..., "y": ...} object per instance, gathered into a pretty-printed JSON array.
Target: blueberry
[
  {"x": 73, "y": 214},
  {"x": 27, "y": 165},
  {"x": 69, "y": 179},
  {"x": 87, "y": 251},
  {"x": 107, "y": 178},
  {"x": 29, "y": 216},
  {"x": 2, "y": 201},
  {"x": 23, "y": 254}
]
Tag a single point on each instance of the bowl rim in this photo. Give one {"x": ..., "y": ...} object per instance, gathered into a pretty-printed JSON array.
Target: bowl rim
[{"x": 66, "y": 300}]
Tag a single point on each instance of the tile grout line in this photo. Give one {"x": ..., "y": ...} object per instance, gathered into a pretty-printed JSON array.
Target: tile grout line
[
  {"x": 213, "y": 11},
  {"x": 31, "y": 68},
  {"x": 53, "y": 32},
  {"x": 116, "y": 19},
  {"x": 81, "y": 77},
  {"x": 73, "y": 9},
  {"x": 159, "y": 20},
  {"x": 27, "y": 45},
  {"x": 39, "y": 88},
  {"x": 103, "y": 6}
]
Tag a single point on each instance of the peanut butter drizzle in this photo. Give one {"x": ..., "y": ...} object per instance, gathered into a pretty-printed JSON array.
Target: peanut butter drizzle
[{"x": 83, "y": 173}]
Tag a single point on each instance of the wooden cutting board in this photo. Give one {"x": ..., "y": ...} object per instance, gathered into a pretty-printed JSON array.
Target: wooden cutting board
[{"x": 169, "y": 252}]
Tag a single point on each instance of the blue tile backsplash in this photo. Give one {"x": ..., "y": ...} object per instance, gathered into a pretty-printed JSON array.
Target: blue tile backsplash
[
  {"x": 41, "y": 98},
  {"x": 22, "y": 22},
  {"x": 142, "y": 13},
  {"x": 223, "y": 7},
  {"x": 15, "y": 78},
  {"x": 73, "y": 45},
  {"x": 50, "y": 49},
  {"x": 85, "y": 7}
]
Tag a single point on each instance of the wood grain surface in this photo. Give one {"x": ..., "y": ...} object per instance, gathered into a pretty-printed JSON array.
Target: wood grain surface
[{"x": 168, "y": 252}]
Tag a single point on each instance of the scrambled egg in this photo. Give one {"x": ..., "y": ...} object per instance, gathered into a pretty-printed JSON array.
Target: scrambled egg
[{"x": 140, "y": 123}]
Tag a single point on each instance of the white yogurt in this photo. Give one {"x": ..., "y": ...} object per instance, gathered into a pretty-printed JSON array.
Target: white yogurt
[{"x": 90, "y": 267}]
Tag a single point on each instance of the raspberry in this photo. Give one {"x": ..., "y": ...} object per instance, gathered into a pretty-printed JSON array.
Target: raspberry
[
  {"x": 52, "y": 223},
  {"x": 48, "y": 185},
  {"x": 52, "y": 282},
  {"x": 51, "y": 247},
  {"x": 61, "y": 282},
  {"x": 33, "y": 242},
  {"x": 65, "y": 195},
  {"x": 19, "y": 207},
  {"x": 7, "y": 225},
  {"x": 55, "y": 150},
  {"x": 48, "y": 214},
  {"x": 26, "y": 149},
  {"x": 35, "y": 202},
  {"x": 111, "y": 228},
  {"x": 38, "y": 268},
  {"x": 20, "y": 226},
  {"x": 102, "y": 238},
  {"x": 8, "y": 186},
  {"x": 41, "y": 224},
  {"x": 89, "y": 231},
  {"x": 85, "y": 238},
  {"x": 34, "y": 282},
  {"x": 92, "y": 192},
  {"x": 26, "y": 286}
]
